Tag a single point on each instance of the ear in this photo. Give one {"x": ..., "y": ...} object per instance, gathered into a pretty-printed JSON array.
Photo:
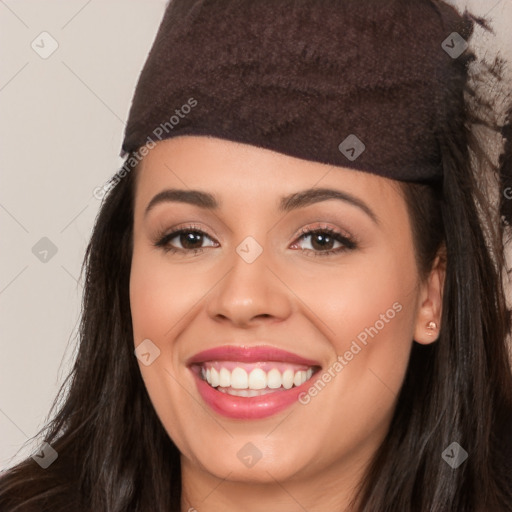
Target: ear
[{"x": 431, "y": 301}]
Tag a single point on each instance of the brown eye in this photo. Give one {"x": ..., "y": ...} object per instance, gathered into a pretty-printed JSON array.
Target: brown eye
[
  {"x": 183, "y": 240},
  {"x": 322, "y": 241},
  {"x": 190, "y": 239}
]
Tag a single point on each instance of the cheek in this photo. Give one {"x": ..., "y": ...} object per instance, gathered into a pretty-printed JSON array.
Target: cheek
[
  {"x": 366, "y": 312},
  {"x": 161, "y": 295},
  {"x": 381, "y": 312},
  {"x": 368, "y": 298},
  {"x": 160, "y": 298},
  {"x": 370, "y": 311}
]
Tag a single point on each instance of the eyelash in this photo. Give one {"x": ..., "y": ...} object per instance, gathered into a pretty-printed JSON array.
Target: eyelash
[{"x": 348, "y": 242}]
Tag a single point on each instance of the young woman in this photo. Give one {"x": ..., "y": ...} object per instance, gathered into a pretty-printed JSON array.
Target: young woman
[{"x": 295, "y": 287}]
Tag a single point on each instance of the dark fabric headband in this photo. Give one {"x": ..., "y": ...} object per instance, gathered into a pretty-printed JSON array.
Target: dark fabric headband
[{"x": 363, "y": 84}]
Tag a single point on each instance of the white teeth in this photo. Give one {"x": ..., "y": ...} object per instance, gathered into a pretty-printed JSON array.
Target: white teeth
[
  {"x": 257, "y": 379},
  {"x": 214, "y": 376},
  {"x": 288, "y": 379},
  {"x": 225, "y": 378},
  {"x": 274, "y": 379},
  {"x": 299, "y": 378},
  {"x": 238, "y": 380},
  {"x": 245, "y": 392}
]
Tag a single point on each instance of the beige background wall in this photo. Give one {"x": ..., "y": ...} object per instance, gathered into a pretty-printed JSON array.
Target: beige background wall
[{"x": 61, "y": 126}]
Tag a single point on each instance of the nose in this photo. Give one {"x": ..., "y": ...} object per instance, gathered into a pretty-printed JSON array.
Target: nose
[{"x": 250, "y": 292}]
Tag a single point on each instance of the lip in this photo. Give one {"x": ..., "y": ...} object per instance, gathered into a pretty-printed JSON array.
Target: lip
[
  {"x": 244, "y": 354},
  {"x": 248, "y": 408}
]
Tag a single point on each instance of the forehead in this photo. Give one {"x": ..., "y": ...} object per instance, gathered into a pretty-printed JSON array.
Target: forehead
[{"x": 202, "y": 162}]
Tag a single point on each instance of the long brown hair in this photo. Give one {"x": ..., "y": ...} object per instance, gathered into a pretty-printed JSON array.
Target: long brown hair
[{"x": 115, "y": 456}]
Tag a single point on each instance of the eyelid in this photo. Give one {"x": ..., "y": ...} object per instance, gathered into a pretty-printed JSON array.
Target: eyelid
[{"x": 323, "y": 226}]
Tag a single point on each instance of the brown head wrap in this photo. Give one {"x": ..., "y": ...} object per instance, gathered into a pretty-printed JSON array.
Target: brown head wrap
[{"x": 365, "y": 84}]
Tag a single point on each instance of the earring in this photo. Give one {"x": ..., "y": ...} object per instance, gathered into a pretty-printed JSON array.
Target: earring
[{"x": 431, "y": 326}]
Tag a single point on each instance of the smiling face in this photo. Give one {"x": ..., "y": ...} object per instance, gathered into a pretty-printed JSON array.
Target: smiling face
[{"x": 346, "y": 299}]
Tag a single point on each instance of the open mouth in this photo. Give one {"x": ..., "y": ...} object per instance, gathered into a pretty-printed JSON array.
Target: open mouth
[
  {"x": 251, "y": 382},
  {"x": 253, "y": 379}
]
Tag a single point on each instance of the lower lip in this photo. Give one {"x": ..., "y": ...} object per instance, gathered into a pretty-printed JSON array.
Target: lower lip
[{"x": 248, "y": 408}]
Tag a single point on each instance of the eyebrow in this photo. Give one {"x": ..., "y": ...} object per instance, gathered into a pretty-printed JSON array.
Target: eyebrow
[{"x": 286, "y": 204}]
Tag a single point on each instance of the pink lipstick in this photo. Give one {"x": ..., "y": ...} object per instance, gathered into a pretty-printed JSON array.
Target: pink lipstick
[{"x": 250, "y": 382}]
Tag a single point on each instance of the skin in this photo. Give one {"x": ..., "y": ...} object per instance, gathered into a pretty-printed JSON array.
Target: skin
[{"x": 313, "y": 455}]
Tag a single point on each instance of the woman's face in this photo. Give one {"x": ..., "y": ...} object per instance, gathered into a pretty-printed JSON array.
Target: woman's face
[{"x": 247, "y": 276}]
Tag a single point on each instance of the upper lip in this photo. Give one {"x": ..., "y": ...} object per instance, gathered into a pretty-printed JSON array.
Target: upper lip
[{"x": 252, "y": 354}]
